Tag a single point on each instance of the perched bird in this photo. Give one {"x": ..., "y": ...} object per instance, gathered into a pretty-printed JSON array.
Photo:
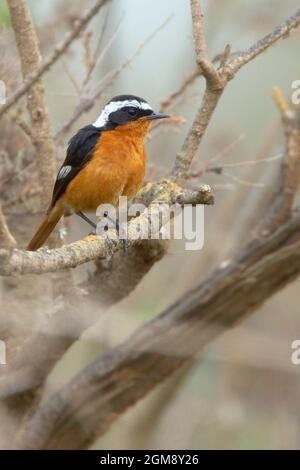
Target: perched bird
[{"x": 104, "y": 160}]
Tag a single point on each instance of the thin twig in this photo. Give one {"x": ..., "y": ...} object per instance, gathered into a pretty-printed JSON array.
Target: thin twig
[
  {"x": 282, "y": 31},
  {"x": 87, "y": 102},
  {"x": 7, "y": 240},
  {"x": 242, "y": 181},
  {"x": 95, "y": 58},
  {"x": 279, "y": 100},
  {"x": 190, "y": 79},
  {"x": 70, "y": 76},
  {"x": 170, "y": 101},
  {"x": 203, "y": 60},
  {"x": 218, "y": 169},
  {"x": 54, "y": 56}
]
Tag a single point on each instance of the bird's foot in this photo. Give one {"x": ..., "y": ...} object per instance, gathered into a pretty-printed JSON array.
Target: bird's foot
[
  {"x": 119, "y": 230},
  {"x": 111, "y": 240}
]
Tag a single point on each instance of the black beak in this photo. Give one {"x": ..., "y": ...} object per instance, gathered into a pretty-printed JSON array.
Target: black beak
[{"x": 153, "y": 116}]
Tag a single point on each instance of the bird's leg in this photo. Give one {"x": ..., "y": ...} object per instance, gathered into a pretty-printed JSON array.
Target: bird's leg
[
  {"x": 115, "y": 222},
  {"x": 84, "y": 217}
]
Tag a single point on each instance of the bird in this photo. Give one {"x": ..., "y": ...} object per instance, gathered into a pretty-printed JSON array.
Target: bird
[{"x": 104, "y": 160}]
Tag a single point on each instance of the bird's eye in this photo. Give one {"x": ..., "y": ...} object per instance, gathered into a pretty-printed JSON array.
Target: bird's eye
[{"x": 132, "y": 112}]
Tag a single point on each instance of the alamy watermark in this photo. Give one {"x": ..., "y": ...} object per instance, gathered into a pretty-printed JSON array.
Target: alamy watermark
[
  {"x": 159, "y": 221},
  {"x": 295, "y": 356},
  {"x": 2, "y": 353},
  {"x": 2, "y": 92},
  {"x": 296, "y": 93}
]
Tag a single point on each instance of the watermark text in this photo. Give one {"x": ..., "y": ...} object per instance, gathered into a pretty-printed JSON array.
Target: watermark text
[
  {"x": 2, "y": 353},
  {"x": 158, "y": 221},
  {"x": 2, "y": 92}
]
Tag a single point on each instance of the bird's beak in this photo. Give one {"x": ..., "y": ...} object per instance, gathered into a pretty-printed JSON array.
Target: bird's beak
[{"x": 153, "y": 116}]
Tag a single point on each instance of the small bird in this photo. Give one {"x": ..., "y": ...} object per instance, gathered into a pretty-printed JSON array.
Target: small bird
[{"x": 105, "y": 160}]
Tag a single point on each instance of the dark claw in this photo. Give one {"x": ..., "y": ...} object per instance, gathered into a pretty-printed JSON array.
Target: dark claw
[{"x": 118, "y": 228}]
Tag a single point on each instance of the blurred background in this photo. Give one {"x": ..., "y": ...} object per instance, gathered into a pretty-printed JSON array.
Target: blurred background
[{"x": 243, "y": 392}]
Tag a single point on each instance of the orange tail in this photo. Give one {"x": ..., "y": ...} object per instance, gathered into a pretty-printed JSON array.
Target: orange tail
[{"x": 45, "y": 229}]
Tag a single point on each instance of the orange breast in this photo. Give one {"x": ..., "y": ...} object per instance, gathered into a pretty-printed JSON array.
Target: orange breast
[{"x": 116, "y": 168}]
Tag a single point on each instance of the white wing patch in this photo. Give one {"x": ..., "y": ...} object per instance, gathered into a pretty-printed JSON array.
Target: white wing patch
[
  {"x": 115, "y": 106},
  {"x": 64, "y": 171}
]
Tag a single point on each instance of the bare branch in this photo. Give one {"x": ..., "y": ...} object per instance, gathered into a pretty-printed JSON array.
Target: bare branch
[
  {"x": 7, "y": 241},
  {"x": 216, "y": 82},
  {"x": 192, "y": 141},
  {"x": 214, "y": 88},
  {"x": 93, "y": 247},
  {"x": 168, "y": 102},
  {"x": 280, "y": 101},
  {"x": 87, "y": 102},
  {"x": 86, "y": 407},
  {"x": 242, "y": 181},
  {"x": 281, "y": 203},
  {"x": 41, "y": 137},
  {"x": 280, "y": 32},
  {"x": 97, "y": 57},
  {"x": 206, "y": 66},
  {"x": 54, "y": 56}
]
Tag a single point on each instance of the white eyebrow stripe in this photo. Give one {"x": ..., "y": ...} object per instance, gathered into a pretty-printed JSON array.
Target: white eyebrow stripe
[
  {"x": 64, "y": 171},
  {"x": 115, "y": 106}
]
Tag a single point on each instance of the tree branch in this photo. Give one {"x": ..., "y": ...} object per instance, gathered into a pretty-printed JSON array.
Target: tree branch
[
  {"x": 58, "y": 51},
  {"x": 6, "y": 238},
  {"x": 213, "y": 91},
  {"x": 29, "y": 52},
  {"x": 86, "y": 407},
  {"x": 206, "y": 66},
  {"x": 282, "y": 31},
  {"x": 216, "y": 82},
  {"x": 93, "y": 247},
  {"x": 282, "y": 199}
]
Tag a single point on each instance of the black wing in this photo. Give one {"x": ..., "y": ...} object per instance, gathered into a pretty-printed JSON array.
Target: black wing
[{"x": 79, "y": 153}]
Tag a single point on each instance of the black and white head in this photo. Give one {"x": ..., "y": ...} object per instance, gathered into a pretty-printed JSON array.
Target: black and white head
[{"x": 123, "y": 109}]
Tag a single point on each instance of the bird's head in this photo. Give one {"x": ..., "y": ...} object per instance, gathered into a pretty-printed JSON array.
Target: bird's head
[{"x": 127, "y": 112}]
